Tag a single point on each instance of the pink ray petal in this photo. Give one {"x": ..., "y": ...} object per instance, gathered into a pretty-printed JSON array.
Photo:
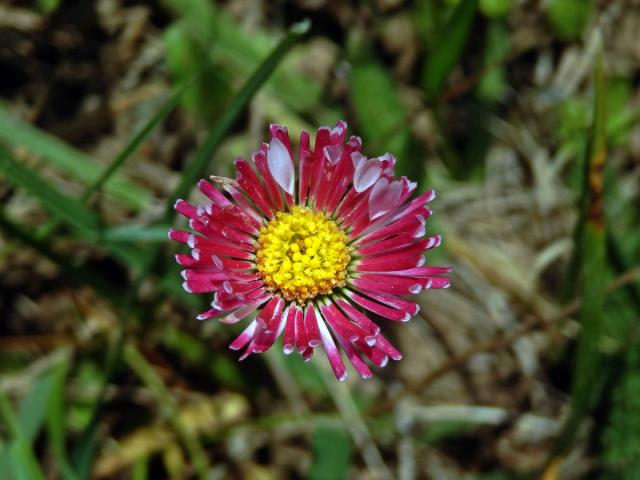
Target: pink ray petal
[
  {"x": 333, "y": 354},
  {"x": 366, "y": 174}
]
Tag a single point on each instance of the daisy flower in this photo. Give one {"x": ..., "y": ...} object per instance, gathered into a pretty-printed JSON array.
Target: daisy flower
[{"x": 311, "y": 249}]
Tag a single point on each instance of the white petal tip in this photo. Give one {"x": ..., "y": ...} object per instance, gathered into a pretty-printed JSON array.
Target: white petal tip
[
  {"x": 315, "y": 343},
  {"x": 281, "y": 165},
  {"x": 186, "y": 287},
  {"x": 415, "y": 288},
  {"x": 287, "y": 349},
  {"x": 343, "y": 377},
  {"x": 406, "y": 318}
]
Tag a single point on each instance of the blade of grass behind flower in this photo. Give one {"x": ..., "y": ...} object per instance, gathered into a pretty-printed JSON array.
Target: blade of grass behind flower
[
  {"x": 446, "y": 51},
  {"x": 18, "y": 461},
  {"x": 73, "y": 162},
  {"x": 588, "y": 381},
  {"x": 35, "y": 405},
  {"x": 55, "y": 418},
  {"x": 74, "y": 213},
  {"x": 130, "y": 148},
  {"x": 197, "y": 166},
  {"x": 382, "y": 118}
]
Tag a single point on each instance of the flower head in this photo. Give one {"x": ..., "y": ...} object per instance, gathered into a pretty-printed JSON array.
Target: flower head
[{"x": 311, "y": 250}]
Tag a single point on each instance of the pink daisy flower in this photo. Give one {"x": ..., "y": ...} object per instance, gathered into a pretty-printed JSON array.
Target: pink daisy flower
[{"x": 314, "y": 249}]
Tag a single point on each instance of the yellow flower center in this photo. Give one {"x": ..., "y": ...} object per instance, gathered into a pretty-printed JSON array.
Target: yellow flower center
[{"x": 302, "y": 254}]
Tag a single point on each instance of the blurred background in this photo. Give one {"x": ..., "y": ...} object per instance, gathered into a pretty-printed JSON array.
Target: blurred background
[{"x": 523, "y": 115}]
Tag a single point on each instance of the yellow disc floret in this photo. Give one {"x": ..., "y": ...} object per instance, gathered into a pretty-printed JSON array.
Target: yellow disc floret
[{"x": 302, "y": 254}]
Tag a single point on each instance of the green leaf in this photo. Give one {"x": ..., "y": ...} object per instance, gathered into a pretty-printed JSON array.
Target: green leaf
[
  {"x": 331, "y": 454},
  {"x": 74, "y": 163},
  {"x": 569, "y": 17},
  {"x": 495, "y": 8},
  {"x": 56, "y": 420},
  {"x": 48, "y": 6},
  {"x": 141, "y": 469},
  {"x": 35, "y": 406},
  {"x": 18, "y": 460},
  {"x": 448, "y": 48}
]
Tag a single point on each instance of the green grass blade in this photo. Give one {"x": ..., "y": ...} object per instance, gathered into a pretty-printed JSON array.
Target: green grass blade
[
  {"x": 76, "y": 164},
  {"x": 67, "y": 208},
  {"x": 621, "y": 439},
  {"x": 126, "y": 152},
  {"x": 238, "y": 53},
  {"x": 447, "y": 50},
  {"x": 71, "y": 211},
  {"x": 55, "y": 419},
  {"x": 20, "y": 462},
  {"x": 588, "y": 379},
  {"x": 35, "y": 405},
  {"x": 196, "y": 168},
  {"x": 136, "y": 233},
  {"x": 137, "y": 140},
  {"x": 331, "y": 454}
]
